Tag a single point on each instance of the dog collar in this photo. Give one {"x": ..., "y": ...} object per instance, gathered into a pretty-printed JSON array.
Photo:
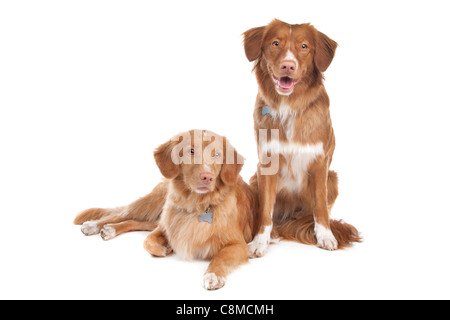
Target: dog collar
[
  {"x": 206, "y": 216},
  {"x": 266, "y": 110}
]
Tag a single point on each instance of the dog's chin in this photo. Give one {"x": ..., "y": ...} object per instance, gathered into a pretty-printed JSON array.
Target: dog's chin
[{"x": 202, "y": 190}]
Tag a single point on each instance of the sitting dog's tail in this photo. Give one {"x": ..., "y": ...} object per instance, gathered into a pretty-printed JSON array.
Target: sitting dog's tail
[{"x": 301, "y": 229}]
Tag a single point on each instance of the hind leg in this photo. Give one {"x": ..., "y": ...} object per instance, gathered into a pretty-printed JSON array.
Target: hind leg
[
  {"x": 322, "y": 228},
  {"x": 332, "y": 189},
  {"x": 90, "y": 228},
  {"x": 319, "y": 196},
  {"x": 157, "y": 244},
  {"x": 147, "y": 208}
]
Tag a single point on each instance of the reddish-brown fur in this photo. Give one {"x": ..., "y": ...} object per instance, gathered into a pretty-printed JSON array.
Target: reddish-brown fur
[
  {"x": 143, "y": 213},
  {"x": 175, "y": 205},
  {"x": 300, "y": 111}
]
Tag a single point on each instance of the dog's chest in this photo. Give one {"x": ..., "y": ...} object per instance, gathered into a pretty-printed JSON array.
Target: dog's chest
[
  {"x": 297, "y": 153},
  {"x": 287, "y": 120},
  {"x": 193, "y": 234},
  {"x": 294, "y": 169}
]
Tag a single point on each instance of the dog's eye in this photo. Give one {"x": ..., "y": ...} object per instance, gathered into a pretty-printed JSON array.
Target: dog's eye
[
  {"x": 275, "y": 43},
  {"x": 192, "y": 151},
  {"x": 217, "y": 155},
  {"x": 304, "y": 46}
]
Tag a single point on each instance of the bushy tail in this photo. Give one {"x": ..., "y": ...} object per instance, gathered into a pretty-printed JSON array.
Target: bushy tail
[
  {"x": 93, "y": 214},
  {"x": 301, "y": 229}
]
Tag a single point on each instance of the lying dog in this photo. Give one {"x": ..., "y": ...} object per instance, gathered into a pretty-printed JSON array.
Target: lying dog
[
  {"x": 203, "y": 210},
  {"x": 293, "y": 124}
]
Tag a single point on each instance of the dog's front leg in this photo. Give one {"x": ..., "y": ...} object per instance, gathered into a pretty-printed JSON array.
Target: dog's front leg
[
  {"x": 226, "y": 260},
  {"x": 318, "y": 184},
  {"x": 267, "y": 185}
]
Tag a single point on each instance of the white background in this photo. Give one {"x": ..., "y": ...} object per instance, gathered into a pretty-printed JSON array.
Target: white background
[{"x": 88, "y": 89}]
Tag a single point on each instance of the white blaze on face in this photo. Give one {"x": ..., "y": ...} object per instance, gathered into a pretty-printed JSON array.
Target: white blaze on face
[
  {"x": 290, "y": 57},
  {"x": 285, "y": 85}
]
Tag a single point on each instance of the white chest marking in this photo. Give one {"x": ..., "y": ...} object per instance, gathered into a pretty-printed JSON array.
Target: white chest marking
[
  {"x": 293, "y": 149},
  {"x": 287, "y": 117},
  {"x": 298, "y": 158},
  {"x": 284, "y": 113}
]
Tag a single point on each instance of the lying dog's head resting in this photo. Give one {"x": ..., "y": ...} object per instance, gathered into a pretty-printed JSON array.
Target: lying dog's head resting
[
  {"x": 202, "y": 160},
  {"x": 289, "y": 54}
]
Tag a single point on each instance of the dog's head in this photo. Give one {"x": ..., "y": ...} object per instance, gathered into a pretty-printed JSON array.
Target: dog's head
[
  {"x": 289, "y": 54},
  {"x": 202, "y": 160}
]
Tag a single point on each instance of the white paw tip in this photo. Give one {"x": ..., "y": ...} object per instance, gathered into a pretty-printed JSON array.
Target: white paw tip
[
  {"x": 108, "y": 233},
  {"x": 258, "y": 247},
  {"x": 325, "y": 238},
  {"x": 89, "y": 228},
  {"x": 211, "y": 281}
]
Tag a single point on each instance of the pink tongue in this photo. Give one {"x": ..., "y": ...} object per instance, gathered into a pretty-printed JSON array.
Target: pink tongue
[{"x": 286, "y": 82}]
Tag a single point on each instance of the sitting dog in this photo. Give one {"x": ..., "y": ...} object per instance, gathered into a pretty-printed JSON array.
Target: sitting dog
[
  {"x": 202, "y": 210},
  {"x": 292, "y": 123}
]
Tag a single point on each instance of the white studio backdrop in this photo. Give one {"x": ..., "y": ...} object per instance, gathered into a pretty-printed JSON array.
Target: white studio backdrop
[{"x": 88, "y": 89}]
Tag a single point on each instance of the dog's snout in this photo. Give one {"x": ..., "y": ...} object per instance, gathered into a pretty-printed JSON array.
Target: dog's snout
[
  {"x": 288, "y": 67},
  {"x": 206, "y": 178}
]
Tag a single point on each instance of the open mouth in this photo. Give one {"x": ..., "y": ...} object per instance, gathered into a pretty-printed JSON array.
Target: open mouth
[{"x": 284, "y": 84}]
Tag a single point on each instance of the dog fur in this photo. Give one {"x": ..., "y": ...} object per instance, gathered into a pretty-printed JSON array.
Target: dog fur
[
  {"x": 295, "y": 202},
  {"x": 207, "y": 179}
]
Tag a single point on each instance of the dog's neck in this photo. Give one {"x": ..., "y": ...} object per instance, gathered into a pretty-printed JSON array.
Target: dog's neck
[{"x": 184, "y": 198}]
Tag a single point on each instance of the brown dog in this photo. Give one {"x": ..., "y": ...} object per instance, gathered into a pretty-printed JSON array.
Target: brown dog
[
  {"x": 203, "y": 210},
  {"x": 293, "y": 125}
]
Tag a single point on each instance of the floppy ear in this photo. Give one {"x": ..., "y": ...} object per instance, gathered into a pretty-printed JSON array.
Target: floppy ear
[
  {"x": 163, "y": 158},
  {"x": 253, "y": 43},
  {"x": 231, "y": 167},
  {"x": 325, "y": 49}
]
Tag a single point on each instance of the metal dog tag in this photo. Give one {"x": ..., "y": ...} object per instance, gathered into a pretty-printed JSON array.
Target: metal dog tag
[
  {"x": 206, "y": 216},
  {"x": 266, "y": 110}
]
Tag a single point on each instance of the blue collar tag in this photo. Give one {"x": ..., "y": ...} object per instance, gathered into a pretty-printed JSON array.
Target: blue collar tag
[
  {"x": 206, "y": 216},
  {"x": 266, "y": 110}
]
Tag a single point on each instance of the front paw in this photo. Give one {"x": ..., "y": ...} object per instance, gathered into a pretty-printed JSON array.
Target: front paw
[
  {"x": 258, "y": 247},
  {"x": 211, "y": 281},
  {"x": 325, "y": 238},
  {"x": 90, "y": 228}
]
